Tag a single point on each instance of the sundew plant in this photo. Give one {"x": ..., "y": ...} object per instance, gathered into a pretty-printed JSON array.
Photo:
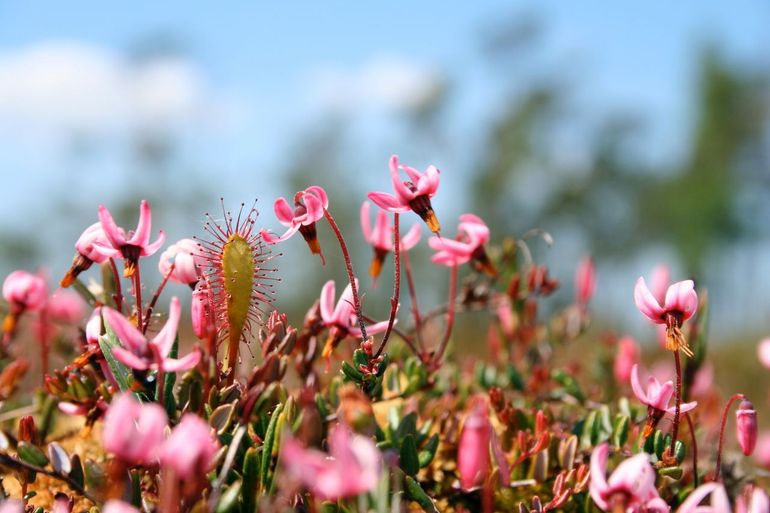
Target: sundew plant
[{"x": 354, "y": 410}]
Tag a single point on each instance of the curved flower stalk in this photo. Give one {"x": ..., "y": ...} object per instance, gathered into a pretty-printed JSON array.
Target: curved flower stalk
[
  {"x": 352, "y": 467},
  {"x": 87, "y": 253},
  {"x": 142, "y": 354},
  {"x": 656, "y": 397},
  {"x": 380, "y": 237},
  {"x": 340, "y": 318},
  {"x": 630, "y": 488},
  {"x": 309, "y": 207},
  {"x": 468, "y": 246},
  {"x": 128, "y": 244},
  {"x": 413, "y": 194}
]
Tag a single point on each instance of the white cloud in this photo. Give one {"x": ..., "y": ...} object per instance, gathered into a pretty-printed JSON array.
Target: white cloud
[
  {"x": 69, "y": 86},
  {"x": 383, "y": 82}
]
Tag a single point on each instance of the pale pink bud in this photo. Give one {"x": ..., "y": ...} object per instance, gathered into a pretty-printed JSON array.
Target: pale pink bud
[
  {"x": 133, "y": 432},
  {"x": 25, "y": 290},
  {"x": 763, "y": 352},
  {"x": 190, "y": 449},
  {"x": 66, "y": 307},
  {"x": 186, "y": 257},
  {"x": 627, "y": 356},
  {"x": 585, "y": 281},
  {"x": 85, "y": 244},
  {"x": 746, "y": 417},
  {"x": 473, "y": 449},
  {"x": 201, "y": 311}
]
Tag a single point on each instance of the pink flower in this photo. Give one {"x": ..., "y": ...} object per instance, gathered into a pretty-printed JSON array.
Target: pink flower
[
  {"x": 625, "y": 359},
  {"x": 190, "y": 449},
  {"x": 661, "y": 278},
  {"x": 762, "y": 450},
  {"x": 759, "y": 502},
  {"x": 473, "y": 233},
  {"x": 632, "y": 483},
  {"x": 746, "y": 417},
  {"x": 309, "y": 207},
  {"x": 763, "y": 352},
  {"x": 66, "y": 307},
  {"x": 381, "y": 237},
  {"x": 585, "y": 281},
  {"x": 341, "y": 319},
  {"x": 142, "y": 354},
  {"x": 25, "y": 291},
  {"x": 132, "y": 244},
  {"x": 116, "y": 506},
  {"x": 87, "y": 252},
  {"x": 473, "y": 448},
  {"x": 186, "y": 256},
  {"x": 658, "y": 394},
  {"x": 719, "y": 501},
  {"x": 680, "y": 304},
  {"x": 132, "y": 431},
  {"x": 353, "y": 466},
  {"x": 413, "y": 194},
  {"x": 202, "y": 312}
]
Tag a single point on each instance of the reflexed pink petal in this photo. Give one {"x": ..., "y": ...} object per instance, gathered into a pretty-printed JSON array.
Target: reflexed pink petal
[
  {"x": 164, "y": 340},
  {"x": 413, "y": 174},
  {"x": 129, "y": 359},
  {"x": 718, "y": 499},
  {"x": 448, "y": 259},
  {"x": 125, "y": 330},
  {"x": 382, "y": 236},
  {"x": 344, "y": 308},
  {"x": 661, "y": 277},
  {"x": 636, "y": 386},
  {"x": 326, "y": 303},
  {"x": 433, "y": 179},
  {"x": 272, "y": 239},
  {"x": 626, "y": 357},
  {"x": 104, "y": 252},
  {"x": 190, "y": 449},
  {"x": 151, "y": 249},
  {"x": 142, "y": 234},
  {"x": 459, "y": 249},
  {"x": 403, "y": 193},
  {"x": 114, "y": 234},
  {"x": 185, "y": 363},
  {"x": 598, "y": 484},
  {"x": 681, "y": 296},
  {"x": 319, "y": 193},
  {"x": 388, "y": 202},
  {"x": 412, "y": 237},
  {"x": 364, "y": 216},
  {"x": 283, "y": 212},
  {"x": 646, "y": 302},
  {"x": 683, "y": 408}
]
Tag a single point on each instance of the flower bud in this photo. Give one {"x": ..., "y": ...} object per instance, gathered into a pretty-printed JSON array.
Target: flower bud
[
  {"x": 26, "y": 290},
  {"x": 202, "y": 315},
  {"x": 473, "y": 449},
  {"x": 185, "y": 257},
  {"x": 746, "y": 417},
  {"x": 585, "y": 281}
]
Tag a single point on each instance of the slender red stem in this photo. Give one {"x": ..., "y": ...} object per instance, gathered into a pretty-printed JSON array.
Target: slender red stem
[
  {"x": 44, "y": 344},
  {"x": 138, "y": 295},
  {"x": 351, "y": 274},
  {"x": 118, "y": 287},
  {"x": 396, "y": 285},
  {"x": 155, "y": 297},
  {"x": 450, "y": 317},
  {"x": 718, "y": 469},
  {"x": 413, "y": 299},
  {"x": 694, "y": 449},
  {"x": 678, "y": 399}
]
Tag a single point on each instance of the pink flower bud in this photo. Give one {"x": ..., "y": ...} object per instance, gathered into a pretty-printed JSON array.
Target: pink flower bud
[
  {"x": 66, "y": 307},
  {"x": 190, "y": 449},
  {"x": 133, "y": 432},
  {"x": 746, "y": 416},
  {"x": 763, "y": 352},
  {"x": 473, "y": 449},
  {"x": 625, "y": 359},
  {"x": 186, "y": 257},
  {"x": 201, "y": 311},
  {"x": 585, "y": 281},
  {"x": 85, "y": 244},
  {"x": 25, "y": 290}
]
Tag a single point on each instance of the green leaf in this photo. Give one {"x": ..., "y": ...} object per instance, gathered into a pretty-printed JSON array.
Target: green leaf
[
  {"x": 267, "y": 447},
  {"x": 229, "y": 500},
  {"x": 620, "y": 430},
  {"x": 360, "y": 358},
  {"x": 415, "y": 492},
  {"x": 672, "y": 472},
  {"x": 251, "y": 464},
  {"x": 352, "y": 373},
  {"x": 410, "y": 461},
  {"x": 31, "y": 454},
  {"x": 107, "y": 342},
  {"x": 407, "y": 426},
  {"x": 77, "y": 474},
  {"x": 169, "y": 379},
  {"x": 427, "y": 454}
]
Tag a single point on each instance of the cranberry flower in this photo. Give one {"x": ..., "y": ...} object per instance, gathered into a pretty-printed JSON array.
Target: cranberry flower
[
  {"x": 468, "y": 246},
  {"x": 133, "y": 432},
  {"x": 413, "y": 194},
  {"x": 656, "y": 397},
  {"x": 87, "y": 252},
  {"x": 352, "y": 467},
  {"x": 187, "y": 259},
  {"x": 309, "y": 207},
  {"x": 24, "y": 291},
  {"x": 340, "y": 318},
  {"x": 746, "y": 417},
  {"x": 142, "y": 354},
  {"x": 473, "y": 449},
  {"x": 719, "y": 500},
  {"x": 380, "y": 237},
  {"x": 128, "y": 244},
  {"x": 631, "y": 487},
  {"x": 680, "y": 304},
  {"x": 190, "y": 449}
]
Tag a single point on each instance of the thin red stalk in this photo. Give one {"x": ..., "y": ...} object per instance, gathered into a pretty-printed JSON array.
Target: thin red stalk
[
  {"x": 351, "y": 274},
  {"x": 722, "y": 434},
  {"x": 138, "y": 295},
  {"x": 406, "y": 338},
  {"x": 155, "y": 297},
  {"x": 118, "y": 287},
  {"x": 413, "y": 299},
  {"x": 396, "y": 285},
  {"x": 694, "y": 449},
  {"x": 678, "y": 399},
  {"x": 450, "y": 317}
]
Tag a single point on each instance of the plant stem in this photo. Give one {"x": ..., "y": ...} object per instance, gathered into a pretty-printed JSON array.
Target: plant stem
[
  {"x": 450, "y": 317},
  {"x": 118, "y": 287},
  {"x": 396, "y": 285},
  {"x": 155, "y": 297},
  {"x": 351, "y": 274},
  {"x": 678, "y": 406},
  {"x": 722, "y": 434},
  {"x": 413, "y": 300},
  {"x": 138, "y": 296},
  {"x": 694, "y": 449}
]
